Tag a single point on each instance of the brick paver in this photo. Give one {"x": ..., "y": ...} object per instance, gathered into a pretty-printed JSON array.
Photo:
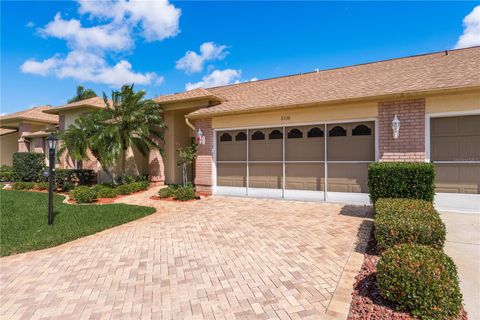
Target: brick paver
[{"x": 218, "y": 258}]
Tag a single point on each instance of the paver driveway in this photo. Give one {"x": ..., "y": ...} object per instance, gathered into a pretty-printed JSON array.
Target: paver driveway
[{"x": 215, "y": 258}]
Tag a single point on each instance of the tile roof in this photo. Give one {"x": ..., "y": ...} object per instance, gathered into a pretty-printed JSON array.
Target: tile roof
[
  {"x": 95, "y": 102},
  {"x": 187, "y": 95},
  {"x": 33, "y": 114},
  {"x": 7, "y": 131},
  {"x": 436, "y": 71}
]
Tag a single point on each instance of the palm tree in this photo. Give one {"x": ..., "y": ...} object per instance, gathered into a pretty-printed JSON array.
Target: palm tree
[
  {"x": 90, "y": 132},
  {"x": 134, "y": 122},
  {"x": 82, "y": 94}
]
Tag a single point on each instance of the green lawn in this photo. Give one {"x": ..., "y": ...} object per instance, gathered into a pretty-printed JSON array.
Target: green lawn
[{"x": 23, "y": 220}]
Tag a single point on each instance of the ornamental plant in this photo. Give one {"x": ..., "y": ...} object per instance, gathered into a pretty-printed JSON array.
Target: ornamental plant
[
  {"x": 421, "y": 280},
  {"x": 186, "y": 156},
  {"x": 83, "y": 194},
  {"x": 400, "y": 221}
]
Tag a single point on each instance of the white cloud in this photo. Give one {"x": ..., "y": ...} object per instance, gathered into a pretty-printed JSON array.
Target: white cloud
[
  {"x": 113, "y": 27},
  {"x": 84, "y": 66},
  {"x": 216, "y": 78},
  {"x": 254, "y": 79},
  {"x": 194, "y": 62},
  {"x": 471, "y": 31},
  {"x": 30, "y": 24},
  {"x": 158, "y": 19},
  {"x": 104, "y": 37}
]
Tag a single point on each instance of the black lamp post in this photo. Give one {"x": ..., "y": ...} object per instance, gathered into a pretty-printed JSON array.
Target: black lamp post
[{"x": 52, "y": 145}]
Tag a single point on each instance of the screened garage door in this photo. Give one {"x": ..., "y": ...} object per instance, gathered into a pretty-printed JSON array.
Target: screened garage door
[
  {"x": 314, "y": 162},
  {"x": 455, "y": 151}
]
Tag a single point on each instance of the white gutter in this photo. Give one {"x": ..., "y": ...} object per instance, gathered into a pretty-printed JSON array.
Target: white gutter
[{"x": 190, "y": 125}]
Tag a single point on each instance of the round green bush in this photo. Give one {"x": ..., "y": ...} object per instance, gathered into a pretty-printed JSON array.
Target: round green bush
[
  {"x": 107, "y": 193},
  {"x": 41, "y": 186},
  {"x": 83, "y": 194},
  {"x": 23, "y": 185},
  {"x": 167, "y": 192},
  {"x": 421, "y": 280},
  {"x": 185, "y": 194},
  {"x": 125, "y": 189},
  {"x": 408, "y": 221}
]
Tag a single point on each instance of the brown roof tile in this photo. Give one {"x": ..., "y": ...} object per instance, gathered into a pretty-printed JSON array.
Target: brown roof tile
[
  {"x": 187, "y": 95},
  {"x": 95, "y": 103},
  {"x": 435, "y": 71},
  {"x": 33, "y": 114}
]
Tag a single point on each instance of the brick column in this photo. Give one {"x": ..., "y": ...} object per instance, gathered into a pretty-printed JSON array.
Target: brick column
[
  {"x": 410, "y": 145},
  {"x": 203, "y": 164},
  {"x": 23, "y": 144}
]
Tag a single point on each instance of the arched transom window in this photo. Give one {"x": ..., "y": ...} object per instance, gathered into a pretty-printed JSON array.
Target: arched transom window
[
  {"x": 337, "y": 131},
  {"x": 275, "y": 134},
  {"x": 225, "y": 137},
  {"x": 295, "y": 134}
]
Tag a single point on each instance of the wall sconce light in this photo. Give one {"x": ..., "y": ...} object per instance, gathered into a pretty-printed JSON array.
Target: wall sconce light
[
  {"x": 200, "y": 137},
  {"x": 396, "y": 127}
]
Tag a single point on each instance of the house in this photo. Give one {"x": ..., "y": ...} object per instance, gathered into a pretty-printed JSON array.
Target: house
[
  {"x": 25, "y": 131},
  {"x": 311, "y": 136}
]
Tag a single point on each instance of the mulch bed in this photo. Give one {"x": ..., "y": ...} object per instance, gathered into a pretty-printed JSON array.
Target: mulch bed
[
  {"x": 367, "y": 303},
  {"x": 199, "y": 197}
]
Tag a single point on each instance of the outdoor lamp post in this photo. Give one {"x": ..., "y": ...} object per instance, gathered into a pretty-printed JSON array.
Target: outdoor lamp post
[{"x": 52, "y": 145}]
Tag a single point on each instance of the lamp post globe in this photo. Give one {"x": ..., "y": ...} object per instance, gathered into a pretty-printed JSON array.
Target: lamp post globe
[{"x": 52, "y": 146}]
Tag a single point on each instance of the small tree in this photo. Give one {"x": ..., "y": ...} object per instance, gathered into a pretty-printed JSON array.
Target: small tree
[
  {"x": 82, "y": 94},
  {"x": 186, "y": 156}
]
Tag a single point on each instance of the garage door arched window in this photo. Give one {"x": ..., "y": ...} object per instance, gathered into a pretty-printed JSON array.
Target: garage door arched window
[
  {"x": 315, "y": 132},
  {"x": 361, "y": 130},
  {"x": 258, "y": 135},
  {"x": 241, "y": 136},
  {"x": 225, "y": 137},
  {"x": 295, "y": 134},
  {"x": 275, "y": 134},
  {"x": 337, "y": 131}
]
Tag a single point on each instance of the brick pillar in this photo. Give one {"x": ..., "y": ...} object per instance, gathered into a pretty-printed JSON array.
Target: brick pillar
[
  {"x": 156, "y": 167},
  {"x": 23, "y": 144},
  {"x": 410, "y": 145},
  {"x": 203, "y": 164}
]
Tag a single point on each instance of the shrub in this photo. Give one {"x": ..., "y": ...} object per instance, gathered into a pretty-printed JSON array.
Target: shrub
[
  {"x": 84, "y": 176},
  {"x": 125, "y": 189},
  {"x": 401, "y": 180},
  {"x": 107, "y": 193},
  {"x": 66, "y": 178},
  {"x": 28, "y": 166},
  {"x": 139, "y": 186},
  {"x": 41, "y": 186},
  {"x": 408, "y": 221},
  {"x": 6, "y": 173},
  {"x": 167, "y": 192},
  {"x": 22, "y": 185},
  {"x": 83, "y": 194},
  {"x": 185, "y": 193},
  {"x": 420, "y": 279}
]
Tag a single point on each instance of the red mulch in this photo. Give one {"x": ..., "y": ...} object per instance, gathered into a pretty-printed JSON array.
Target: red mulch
[{"x": 366, "y": 300}]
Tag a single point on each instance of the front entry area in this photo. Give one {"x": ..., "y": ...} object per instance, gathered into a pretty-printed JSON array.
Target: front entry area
[{"x": 323, "y": 162}]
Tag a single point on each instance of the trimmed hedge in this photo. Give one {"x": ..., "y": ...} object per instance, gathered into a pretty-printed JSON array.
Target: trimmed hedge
[
  {"x": 28, "y": 166},
  {"x": 6, "y": 173},
  {"x": 421, "y": 280},
  {"x": 83, "y": 194},
  {"x": 22, "y": 185},
  {"x": 107, "y": 193},
  {"x": 401, "y": 180},
  {"x": 400, "y": 221}
]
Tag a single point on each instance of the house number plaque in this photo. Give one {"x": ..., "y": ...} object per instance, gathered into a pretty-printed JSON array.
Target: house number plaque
[{"x": 285, "y": 118}]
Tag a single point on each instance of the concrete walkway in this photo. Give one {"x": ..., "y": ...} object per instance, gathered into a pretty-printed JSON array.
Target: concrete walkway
[
  {"x": 463, "y": 246},
  {"x": 217, "y": 258}
]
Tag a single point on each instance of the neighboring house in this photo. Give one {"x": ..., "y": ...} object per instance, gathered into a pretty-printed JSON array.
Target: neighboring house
[
  {"x": 25, "y": 131},
  {"x": 311, "y": 136}
]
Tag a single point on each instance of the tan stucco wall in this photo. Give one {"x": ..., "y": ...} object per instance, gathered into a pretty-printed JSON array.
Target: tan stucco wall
[
  {"x": 288, "y": 116},
  {"x": 177, "y": 133},
  {"x": 8, "y": 146},
  {"x": 453, "y": 102}
]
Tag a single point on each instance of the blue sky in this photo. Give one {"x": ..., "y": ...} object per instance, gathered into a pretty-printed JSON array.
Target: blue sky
[{"x": 47, "y": 48}]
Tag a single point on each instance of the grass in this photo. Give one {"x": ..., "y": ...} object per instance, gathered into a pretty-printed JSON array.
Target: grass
[{"x": 23, "y": 220}]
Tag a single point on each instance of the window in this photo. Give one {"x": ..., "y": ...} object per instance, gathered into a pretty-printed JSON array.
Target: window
[
  {"x": 295, "y": 134},
  {"x": 361, "y": 130},
  {"x": 275, "y": 134},
  {"x": 337, "y": 131},
  {"x": 225, "y": 137},
  {"x": 241, "y": 136},
  {"x": 258, "y": 135},
  {"x": 315, "y": 132},
  {"x": 78, "y": 164}
]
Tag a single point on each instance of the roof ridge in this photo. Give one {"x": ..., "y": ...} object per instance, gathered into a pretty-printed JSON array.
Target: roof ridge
[{"x": 343, "y": 67}]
